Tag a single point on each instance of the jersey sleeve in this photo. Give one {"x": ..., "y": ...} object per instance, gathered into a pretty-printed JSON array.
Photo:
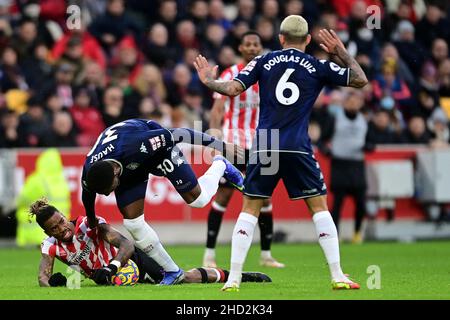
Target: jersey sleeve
[
  {"x": 226, "y": 75},
  {"x": 48, "y": 247},
  {"x": 250, "y": 74},
  {"x": 333, "y": 74}
]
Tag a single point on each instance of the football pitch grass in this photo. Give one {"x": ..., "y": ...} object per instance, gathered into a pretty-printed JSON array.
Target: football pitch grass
[{"x": 418, "y": 270}]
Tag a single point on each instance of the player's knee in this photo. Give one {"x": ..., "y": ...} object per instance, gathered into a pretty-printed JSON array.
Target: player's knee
[
  {"x": 134, "y": 225},
  {"x": 201, "y": 201}
]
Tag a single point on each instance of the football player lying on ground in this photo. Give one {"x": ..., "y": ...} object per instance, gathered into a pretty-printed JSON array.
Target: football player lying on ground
[{"x": 100, "y": 252}]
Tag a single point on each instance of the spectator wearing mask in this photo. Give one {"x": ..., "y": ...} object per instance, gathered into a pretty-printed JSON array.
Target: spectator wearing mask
[{"x": 438, "y": 125}]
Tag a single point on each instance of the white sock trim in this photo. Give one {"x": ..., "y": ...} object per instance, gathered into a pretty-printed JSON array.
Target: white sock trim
[
  {"x": 218, "y": 207},
  {"x": 248, "y": 217},
  {"x": 267, "y": 208},
  {"x": 321, "y": 214},
  {"x": 217, "y": 275}
]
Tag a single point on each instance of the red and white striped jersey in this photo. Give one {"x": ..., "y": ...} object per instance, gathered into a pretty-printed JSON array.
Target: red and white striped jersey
[
  {"x": 86, "y": 250},
  {"x": 241, "y": 112}
]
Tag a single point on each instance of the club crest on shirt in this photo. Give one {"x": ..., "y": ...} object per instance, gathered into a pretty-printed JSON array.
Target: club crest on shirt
[{"x": 133, "y": 166}]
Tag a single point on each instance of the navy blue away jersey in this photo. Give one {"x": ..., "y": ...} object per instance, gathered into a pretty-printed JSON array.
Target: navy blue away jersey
[
  {"x": 289, "y": 83},
  {"x": 136, "y": 144}
]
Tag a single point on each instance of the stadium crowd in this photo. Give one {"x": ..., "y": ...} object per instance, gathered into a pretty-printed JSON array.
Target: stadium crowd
[{"x": 61, "y": 86}]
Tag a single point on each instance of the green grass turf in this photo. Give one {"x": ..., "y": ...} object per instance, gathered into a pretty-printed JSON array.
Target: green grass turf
[{"x": 408, "y": 271}]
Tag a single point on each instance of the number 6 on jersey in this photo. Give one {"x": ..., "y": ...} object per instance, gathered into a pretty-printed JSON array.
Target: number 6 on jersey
[{"x": 283, "y": 85}]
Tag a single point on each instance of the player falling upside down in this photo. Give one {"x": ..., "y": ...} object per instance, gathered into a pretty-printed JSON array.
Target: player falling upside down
[
  {"x": 289, "y": 81},
  {"x": 121, "y": 161},
  {"x": 100, "y": 252},
  {"x": 240, "y": 117}
]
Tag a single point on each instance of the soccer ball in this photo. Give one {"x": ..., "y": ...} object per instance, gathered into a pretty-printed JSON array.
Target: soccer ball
[{"x": 128, "y": 275}]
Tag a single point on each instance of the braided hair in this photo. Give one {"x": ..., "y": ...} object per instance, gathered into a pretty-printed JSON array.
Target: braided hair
[{"x": 42, "y": 210}]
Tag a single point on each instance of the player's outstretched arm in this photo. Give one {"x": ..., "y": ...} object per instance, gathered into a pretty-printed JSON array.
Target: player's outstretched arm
[
  {"x": 112, "y": 236},
  {"x": 198, "y": 138},
  {"x": 333, "y": 45},
  {"x": 103, "y": 276},
  {"x": 88, "y": 199},
  {"x": 208, "y": 76},
  {"x": 45, "y": 270}
]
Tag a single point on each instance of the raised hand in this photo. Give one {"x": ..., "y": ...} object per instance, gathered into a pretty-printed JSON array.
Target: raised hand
[
  {"x": 205, "y": 71},
  {"x": 330, "y": 41}
]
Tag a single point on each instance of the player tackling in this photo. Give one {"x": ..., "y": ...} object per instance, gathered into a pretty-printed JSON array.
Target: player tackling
[
  {"x": 289, "y": 81},
  {"x": 121, "y": 161},
  {"x": 99, "y": 252}
]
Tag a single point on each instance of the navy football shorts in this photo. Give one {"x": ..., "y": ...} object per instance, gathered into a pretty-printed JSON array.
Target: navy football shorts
[
  {"x": 300, "y": 173},
  {"x": 171, "y": 164}
]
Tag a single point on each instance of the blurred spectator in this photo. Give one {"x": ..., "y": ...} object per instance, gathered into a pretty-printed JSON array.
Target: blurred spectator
[
  {"x": 416, "y": 132},
  {"x": 439, "y": 51},
  {"x": 344, "y": 7},
  {"x": 53, "y": 105},
  {"x": 149, "y": 83},
  {"x": 112, "y": 106},
  {"x": 11, "y": 75},
  {"x": 320, "y": 119},
  {"x": 62, "y": 133},
  {"x": 348, "y": 143},
  {"x": 186, "y": 37},
  {"x": 438, "y": 125},
  {"x": 217, "y": 14},
  {"x": 87, "y": 118},
  {"x": 246, "y": 12},
  {"x": 33, "y": 124},
  {"x": 293, "y": 7},
  {"x": 215, "y": 35},
  {"x": 411, "y": 52},
  {"x": 233, "y": 37},
  {"x": 433, "y": 25},
  {"x": 127, "y": 56},
  {"x": 94, "y": 80},
  {"x": 82, "y": 42},
  {"x": 227, "y": 57},
  {"x": 25, "y": 39},
  {"x": 111, "y": 27},
  {"x": 399, "y": 10},
  {"x": 389, "y": 86},
  {"x": 190, "y": 112},
  {"x": 9, "y": 135},
  {"x": 156, "y": 47},
  {"x": 266, "y": 30},
  {"x": 428, "y": 94},
  {"x": 178, "y": 86},
  {"x": 364, "y": 37},
  {"x": 390, "y": 52},
  {"x": 381, "y": 129},
  {"x": 198, "y": 14},
  {"x": 167, "y": 15},
  {"x": 61, "y": 84},
  {"x": 270, "y": 10},
  {"x": 37, "y": 68}
]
